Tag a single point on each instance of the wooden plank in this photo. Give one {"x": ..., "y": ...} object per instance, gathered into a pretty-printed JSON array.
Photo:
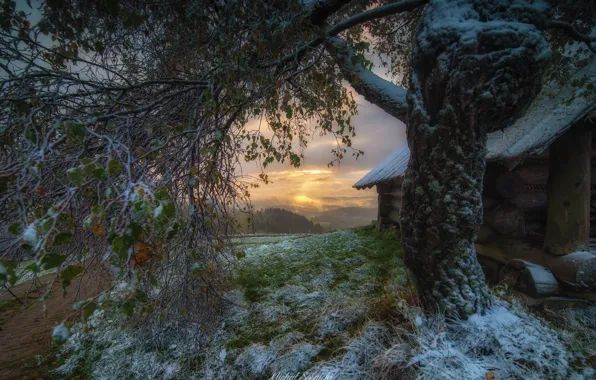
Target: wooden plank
[
  {"x": 533, "y": 173},
  {"x": 531, "y": 279},
  {"x": 577, "y": 269},
  {"x": 531, "y": 200}
]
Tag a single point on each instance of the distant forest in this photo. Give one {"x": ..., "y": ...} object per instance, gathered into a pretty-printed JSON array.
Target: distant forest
[{"x": 279, "y": 220}]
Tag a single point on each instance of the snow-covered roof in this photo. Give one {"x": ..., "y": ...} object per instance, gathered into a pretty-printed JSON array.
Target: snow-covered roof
[
  {"x": 550, "y": 115},
  {"x": 392, "y": 167}
]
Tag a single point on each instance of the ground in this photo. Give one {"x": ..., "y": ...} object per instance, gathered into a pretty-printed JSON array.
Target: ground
[
  {"x": 25, "y": 335},
  {"x": 338, "y": 305}
]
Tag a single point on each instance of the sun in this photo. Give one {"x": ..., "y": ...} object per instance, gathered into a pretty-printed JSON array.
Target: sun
[{"x": 303, "y": 199}]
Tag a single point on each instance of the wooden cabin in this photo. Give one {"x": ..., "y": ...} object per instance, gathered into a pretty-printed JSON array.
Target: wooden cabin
[{"x": 539, "y": 199}]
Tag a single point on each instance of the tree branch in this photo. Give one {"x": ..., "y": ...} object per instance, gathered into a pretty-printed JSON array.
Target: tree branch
[
  {"x": 380, "y": 92},
  {"x": 372, "y": 14},
  {"x": 572, "y": 32}
]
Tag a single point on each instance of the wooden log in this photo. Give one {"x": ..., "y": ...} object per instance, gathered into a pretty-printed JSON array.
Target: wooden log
[
  {"x": 489, "y": 203},
  {"x": 510, "y": 184},
  {"x": 396, "y": 204},
  {"x": 531, "y": 200},
  {"x": 507, "y": 221},
  {"x": 491, "y": 252},
  {"x": 486, "y": 234},
  {"x": 394, "y": 216},
  {"x": 568, "y": 219},
  {"x": 531, "y": 279},
  {"x": 504, "y": 250},
  {"x": 536, "y": 174},
  {"x": 577, "y": 269}
]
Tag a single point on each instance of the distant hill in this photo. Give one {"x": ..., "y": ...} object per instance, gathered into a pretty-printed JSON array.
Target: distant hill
[
  {"x": 279, "y": 220},
  {"x": 346, "y": 217}
]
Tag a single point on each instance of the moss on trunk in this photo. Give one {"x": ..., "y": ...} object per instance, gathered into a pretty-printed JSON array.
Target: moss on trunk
[{"x": 469, "y": 75}]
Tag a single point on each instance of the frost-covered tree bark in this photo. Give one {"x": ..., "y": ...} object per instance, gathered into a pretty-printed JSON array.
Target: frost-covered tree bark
[{"x": 475, "y": 65}]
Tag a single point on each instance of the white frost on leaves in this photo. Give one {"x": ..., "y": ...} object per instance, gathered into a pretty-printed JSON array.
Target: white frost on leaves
[
  {"x": 60, "y": 334},
  {"x": 158, "y": 210},
  {"x": 113, "y": 350},
  {"x": 30, "y": 234}
]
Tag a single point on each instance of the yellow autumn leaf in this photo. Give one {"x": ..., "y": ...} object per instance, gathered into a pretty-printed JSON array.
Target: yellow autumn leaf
[{"x": 98, "y": 230}]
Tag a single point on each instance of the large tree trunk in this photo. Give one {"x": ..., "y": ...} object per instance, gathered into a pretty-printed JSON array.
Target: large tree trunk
[
  {"x": 469, "y": 75},
  {"x": 568, "y": 220}
]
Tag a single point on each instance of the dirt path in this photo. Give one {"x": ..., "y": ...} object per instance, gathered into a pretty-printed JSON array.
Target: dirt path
[{"x": 26, "y": 333}]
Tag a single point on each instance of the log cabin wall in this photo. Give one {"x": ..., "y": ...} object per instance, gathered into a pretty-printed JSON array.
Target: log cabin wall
[
  {"x": 389, "y": 196},
  {"x": 533, "y": 200},
  {"x": 515, "y": 203}
]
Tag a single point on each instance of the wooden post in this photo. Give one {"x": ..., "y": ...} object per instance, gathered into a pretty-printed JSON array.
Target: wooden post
[{"x": 568, "y": 187}]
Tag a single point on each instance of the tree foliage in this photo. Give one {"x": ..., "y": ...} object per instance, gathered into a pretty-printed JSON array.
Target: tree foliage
[{"x": 123, "y": 124}]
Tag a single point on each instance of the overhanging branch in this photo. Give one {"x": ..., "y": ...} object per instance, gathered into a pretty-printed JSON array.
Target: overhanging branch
[
  {"x": 380, "y": 92},
  {"x": 372, "y": 14},
  {"x": 572, "y": 32}
]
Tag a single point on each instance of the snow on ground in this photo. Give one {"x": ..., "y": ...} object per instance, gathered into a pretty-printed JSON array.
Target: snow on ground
[{"x": 338, "y": 306}]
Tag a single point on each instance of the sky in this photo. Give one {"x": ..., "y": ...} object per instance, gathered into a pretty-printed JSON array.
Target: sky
[{"x": 314, "y": 187}]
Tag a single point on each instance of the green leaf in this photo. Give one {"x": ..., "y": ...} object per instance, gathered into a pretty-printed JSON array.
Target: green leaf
[
  {"x": 15, "y": 228},
  {"x": 46, "y": 224},
  {"x": 129, "y": 307},
  {"x": 69, "y": 273},
  {"x": 75, "y": 175},
  {"x": 87, "y": 306},
  {"x": 7, "y": 272},
  {"x": 62, "y": 238},
  {"x": 172, "y": 230},
  {"x": 114, "y": 167},
  {"x": 98, "y": 47},
  {"x": 169, "y": 210},
  {"x": 98, "y": 172},
  {"x": 32, "y": 268},
  {"x": 78, "y": 130},
  {"x": 219, "y": 135},
  {"x": 134, "y": 230},
  {"x": 51, "y": 260},
  {"x": 161, "y": 195},
  {"x": 89, "y": 309},
  {"x": 119, "y": 247}
]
